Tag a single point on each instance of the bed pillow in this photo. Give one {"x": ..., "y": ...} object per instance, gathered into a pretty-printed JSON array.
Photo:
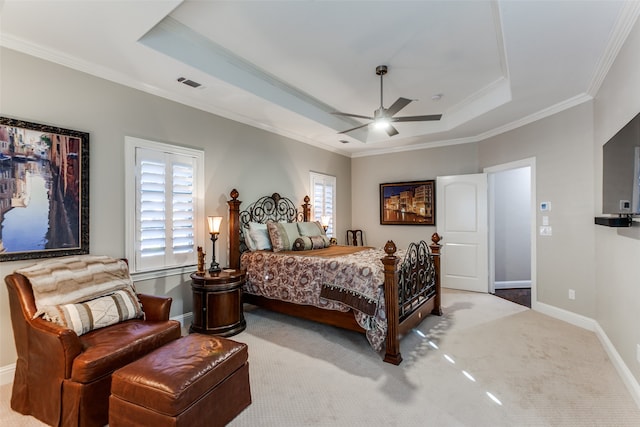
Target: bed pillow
[
  {"x": 248, "y": 240},
  {"x": 96, "y": 313},
  {"x": 282, "y": 235},
  {"x": 313, "y": 228},
  {"x": 259, "y": 236},
  {"x": 306, "y": 243}
]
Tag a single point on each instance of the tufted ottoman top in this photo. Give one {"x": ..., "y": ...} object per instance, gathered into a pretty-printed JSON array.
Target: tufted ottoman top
[{"x": 171, "y": 378}]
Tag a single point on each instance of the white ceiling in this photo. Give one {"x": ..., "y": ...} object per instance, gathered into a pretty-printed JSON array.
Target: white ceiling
[{"x": 284, "y": 66}]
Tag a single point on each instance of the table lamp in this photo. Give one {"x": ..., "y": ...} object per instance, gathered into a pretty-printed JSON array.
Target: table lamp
[
  {"x": 214, "y": 230},
  {"x": 324, "y": 220}
]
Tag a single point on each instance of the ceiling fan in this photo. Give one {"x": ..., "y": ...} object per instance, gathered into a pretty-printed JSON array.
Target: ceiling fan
[{"x": 383, "y": 117}]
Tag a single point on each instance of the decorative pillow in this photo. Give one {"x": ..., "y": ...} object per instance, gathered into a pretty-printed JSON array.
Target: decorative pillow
[
  {"x": 248, "y": 240},
  {"x": 313, "y": 228},
  {"x": 305, "y": 243},
  {"x": 282, "y": 235},
  {"x": 96, "y": 313},
  {"x": 259, "y": 236}
]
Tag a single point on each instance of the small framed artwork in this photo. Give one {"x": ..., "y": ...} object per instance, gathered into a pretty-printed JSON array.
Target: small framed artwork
[
  {"x": 44, "y": 191},
  {"x": 408, "y": 203}
]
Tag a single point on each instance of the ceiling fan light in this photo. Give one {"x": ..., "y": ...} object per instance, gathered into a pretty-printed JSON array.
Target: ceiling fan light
[{"x": 381, "y": 124}]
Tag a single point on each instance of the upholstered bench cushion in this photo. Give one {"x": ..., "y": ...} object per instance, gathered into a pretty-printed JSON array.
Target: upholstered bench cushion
[
  {"x": 172, "y": 378},
  {"x": 108, "y": 349}
]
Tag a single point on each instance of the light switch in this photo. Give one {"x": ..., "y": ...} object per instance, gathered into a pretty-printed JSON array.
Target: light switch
[
  {"x": 545, "y": 230},
  {"x": 545, "y": 220}
]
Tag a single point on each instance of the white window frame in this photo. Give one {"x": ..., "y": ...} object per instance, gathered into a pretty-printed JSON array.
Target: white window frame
[
  {"x": 316, "y": 178},
  {"x": 186, "y": 265}
]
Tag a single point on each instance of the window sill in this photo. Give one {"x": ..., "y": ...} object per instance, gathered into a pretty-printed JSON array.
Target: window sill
[{"x": 155, "y": 274}]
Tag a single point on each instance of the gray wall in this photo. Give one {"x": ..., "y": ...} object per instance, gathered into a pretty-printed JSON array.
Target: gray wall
[
  {"x": 562, "y": 146},
  {"x": 617, "y": 269},
  {"x": 255, "y": 162},
  {"x": 564, "y": 173},
  {"x": 367, "y": 173}
]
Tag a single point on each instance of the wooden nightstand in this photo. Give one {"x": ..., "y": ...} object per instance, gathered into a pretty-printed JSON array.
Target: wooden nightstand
[{"x": 217, "y": 303}]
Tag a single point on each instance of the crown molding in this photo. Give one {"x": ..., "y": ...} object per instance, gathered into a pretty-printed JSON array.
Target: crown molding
[
  {"x": 626, "y": 20},
  {"x": 57, "y": 57},
  {"x": 554, "y": 109}
]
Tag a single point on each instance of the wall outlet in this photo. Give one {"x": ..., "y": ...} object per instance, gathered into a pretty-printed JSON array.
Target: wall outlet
[
  {"x": 572, "y": 294},
  {"x": 625, "y": 206}
]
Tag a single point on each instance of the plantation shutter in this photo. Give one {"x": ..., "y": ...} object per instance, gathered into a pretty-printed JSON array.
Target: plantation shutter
[
  {"x": 166, "y": 209},
  {"x": 324, "y": 196}
]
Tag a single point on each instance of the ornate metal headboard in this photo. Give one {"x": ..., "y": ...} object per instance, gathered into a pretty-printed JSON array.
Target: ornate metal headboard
[
  {"x": 270, "y": 208},
  {"x": 267, "y": 208}
]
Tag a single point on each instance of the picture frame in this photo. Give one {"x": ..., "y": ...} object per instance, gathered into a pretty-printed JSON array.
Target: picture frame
[
  {"x": 44, "y": 191},
  {"x": 408, "y": 203}
]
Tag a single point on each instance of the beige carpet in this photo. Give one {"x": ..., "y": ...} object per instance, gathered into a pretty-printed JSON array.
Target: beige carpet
[{"x": 540, "y": 371}]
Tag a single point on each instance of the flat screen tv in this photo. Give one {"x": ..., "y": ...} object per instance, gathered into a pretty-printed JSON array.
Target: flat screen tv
[{"x": 621, "y": 171}]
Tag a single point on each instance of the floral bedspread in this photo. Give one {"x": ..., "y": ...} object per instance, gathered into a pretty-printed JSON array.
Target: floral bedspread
[{"x": 326, "y": 280}]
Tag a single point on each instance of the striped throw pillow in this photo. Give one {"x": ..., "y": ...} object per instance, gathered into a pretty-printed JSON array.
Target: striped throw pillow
[{"x": 96, "y": 313}]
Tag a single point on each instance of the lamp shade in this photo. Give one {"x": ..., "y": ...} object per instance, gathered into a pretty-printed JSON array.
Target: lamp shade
[
  {"x": 214, "y": 224},
  {"x": 325, "y": 219}
]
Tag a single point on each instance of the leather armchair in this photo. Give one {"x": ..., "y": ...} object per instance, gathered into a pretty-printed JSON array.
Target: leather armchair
[{"x": 65, "y": 379}]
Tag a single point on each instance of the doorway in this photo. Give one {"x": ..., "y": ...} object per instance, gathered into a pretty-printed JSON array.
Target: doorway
[{"x": 512, "y": 231}]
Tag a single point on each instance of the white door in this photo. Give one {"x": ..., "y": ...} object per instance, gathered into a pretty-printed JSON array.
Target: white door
[{"x": 461, "y": 221}]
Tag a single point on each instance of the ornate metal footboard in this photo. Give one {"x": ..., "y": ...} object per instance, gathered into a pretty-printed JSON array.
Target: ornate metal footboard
[
  {"x": 415, "y": 285},
  {"x": 416, "y": 279}
]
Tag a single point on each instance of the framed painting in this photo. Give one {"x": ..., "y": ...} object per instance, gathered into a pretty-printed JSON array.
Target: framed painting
[
  {"x": 408, "y": 203},
  {"x": 44, "y": 191}
]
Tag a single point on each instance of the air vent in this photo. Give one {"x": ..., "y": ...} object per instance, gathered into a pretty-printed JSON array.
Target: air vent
[{"x": 189, "y": 82}]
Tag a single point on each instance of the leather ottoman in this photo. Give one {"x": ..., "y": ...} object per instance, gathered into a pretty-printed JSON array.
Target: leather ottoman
[{"x": 197, "y": 380}]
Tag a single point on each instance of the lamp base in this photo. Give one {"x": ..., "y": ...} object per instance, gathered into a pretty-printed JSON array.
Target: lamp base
[{"x": 214, "y": 267}]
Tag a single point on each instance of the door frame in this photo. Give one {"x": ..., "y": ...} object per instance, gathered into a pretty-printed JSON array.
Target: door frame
[{"x": 531, "y": 162}]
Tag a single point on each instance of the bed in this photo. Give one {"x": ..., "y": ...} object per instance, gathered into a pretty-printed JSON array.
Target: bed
[{"x": 382, "y": 293}]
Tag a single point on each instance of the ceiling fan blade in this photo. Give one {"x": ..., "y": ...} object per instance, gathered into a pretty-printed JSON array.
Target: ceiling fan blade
[
  {"x": 357, "y": 127},
  {"x": 352, "y": 115},
  {"x": 417, "y": 118},
  {"x": 391, "y": 130},
  {"x": 398, "y": 105}
]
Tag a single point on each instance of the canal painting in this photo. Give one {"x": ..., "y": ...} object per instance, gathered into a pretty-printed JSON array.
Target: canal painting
[
  {"x": 44, "y": 197},
  {"x": 408, "y": 203}
]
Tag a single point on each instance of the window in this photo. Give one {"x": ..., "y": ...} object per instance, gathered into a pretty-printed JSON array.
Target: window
[
  {"x": 164, "y": 205},
  {"x": 323, "y": 188}
]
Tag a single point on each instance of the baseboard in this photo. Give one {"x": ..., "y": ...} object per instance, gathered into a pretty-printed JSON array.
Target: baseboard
[
  {"x": 7, "y": 372},
  {"x": 184, "y": 319},
  {"x": 565, "y": 315},
  {"x": 590, "y": 324},
  {"x": 627, "y": 377},
  {"x": 512, "y": 284}
]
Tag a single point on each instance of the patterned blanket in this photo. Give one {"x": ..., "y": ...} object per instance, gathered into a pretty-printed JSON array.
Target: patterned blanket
[{"x": 353, "y": 278}]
